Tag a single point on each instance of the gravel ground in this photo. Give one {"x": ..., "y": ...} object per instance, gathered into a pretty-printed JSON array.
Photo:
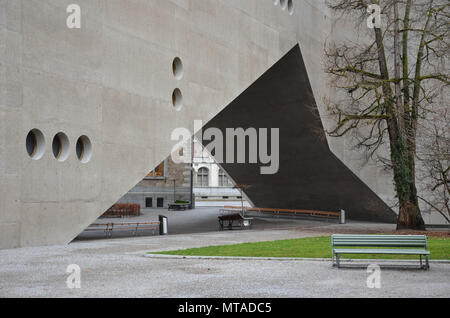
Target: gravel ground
[{"x": 118, "y": 268}]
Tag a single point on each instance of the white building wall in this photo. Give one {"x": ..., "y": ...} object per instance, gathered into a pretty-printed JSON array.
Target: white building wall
[{"x": 214, "y": 191}]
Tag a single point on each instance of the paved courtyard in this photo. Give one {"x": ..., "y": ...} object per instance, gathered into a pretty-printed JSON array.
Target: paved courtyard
[
  {"x": 119, "y": 268},
  {"x": 201, "y": 220}
]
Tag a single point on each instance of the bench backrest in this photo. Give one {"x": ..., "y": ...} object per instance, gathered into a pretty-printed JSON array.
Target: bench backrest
[
  {"x": 379, "y": 240},
  {"x": 231, "y": 217},
  {"x": 117, "y": 225},
  {"x": 287, "y": 212}
]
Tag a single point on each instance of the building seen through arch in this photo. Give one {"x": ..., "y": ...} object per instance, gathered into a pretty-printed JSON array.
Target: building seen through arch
[{"x": 170, "y": 182}]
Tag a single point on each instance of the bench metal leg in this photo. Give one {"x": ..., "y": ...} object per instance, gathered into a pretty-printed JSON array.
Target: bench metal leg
[
  {"x": 337, "y": 260},
  {"x": 421, "y": 264},
  {"x": 427, "y": 262},
  {"x": 109, "y": 229}
]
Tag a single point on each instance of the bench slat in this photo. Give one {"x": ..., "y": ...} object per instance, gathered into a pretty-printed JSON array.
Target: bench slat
[
  {"x": 380, "y": 241},
  {"x": 400, "y": 237},
  {"x": 368, "y": 243},
  {"x": 381, "y": 251},
  {"x": 384, "y": 246},
  {"x": 382, "y": 236},
  {"x": 375, "y": 235}
]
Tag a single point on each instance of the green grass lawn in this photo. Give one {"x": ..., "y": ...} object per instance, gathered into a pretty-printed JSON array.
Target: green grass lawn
[{"x": 313, "y": 247}]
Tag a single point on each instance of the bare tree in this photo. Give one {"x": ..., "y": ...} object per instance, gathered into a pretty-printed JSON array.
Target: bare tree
[
  {"x": 434, "y": 155},
  {"x": 388, "y": 81}
]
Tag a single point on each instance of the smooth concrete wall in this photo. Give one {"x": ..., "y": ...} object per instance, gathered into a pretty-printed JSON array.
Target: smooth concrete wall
[{"x": 112, "y": 81}]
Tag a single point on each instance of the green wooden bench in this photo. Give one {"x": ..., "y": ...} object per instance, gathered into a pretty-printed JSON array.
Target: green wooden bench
[
  {"x": 380, "y": 244},
  {"x": 230, "y": 219}
]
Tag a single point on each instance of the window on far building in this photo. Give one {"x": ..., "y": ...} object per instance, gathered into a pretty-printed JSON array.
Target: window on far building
[
  {"x": 224, "y": 181},
  {"x": 160, "y": 202},
  {"x": 158, "y": 172},
  {"x": 149, "y": 202},
  {"x": 203, "y": 177}
]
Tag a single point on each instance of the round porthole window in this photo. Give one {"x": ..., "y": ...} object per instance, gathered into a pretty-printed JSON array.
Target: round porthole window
[
  {"x": 290, "y": 7},
  {"x": 60, "y": 147},
  {"x": 177, "y": 99},
  {"x": 177, "y": 68},
  {"x": 84, "y": 149},
  {"x": 35, "y": 144}
]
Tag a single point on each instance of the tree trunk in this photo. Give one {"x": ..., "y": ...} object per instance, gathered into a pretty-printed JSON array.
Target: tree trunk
[
  {"x": 397, "y": 67},
  {"x": 409, "y": 211},
  {"x": 409, "y": 217},
  {"x": 404, "y": 159},
  {"x": 402, "y": 156}
]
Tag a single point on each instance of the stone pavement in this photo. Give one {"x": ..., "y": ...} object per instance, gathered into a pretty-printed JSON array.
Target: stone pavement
[{"x": 119, "y": 268}]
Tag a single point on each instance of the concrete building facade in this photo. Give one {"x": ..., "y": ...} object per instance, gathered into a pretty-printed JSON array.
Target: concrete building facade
[
  {"x": 86, "y": 112},
  {"x": 167, "y": 183}
]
